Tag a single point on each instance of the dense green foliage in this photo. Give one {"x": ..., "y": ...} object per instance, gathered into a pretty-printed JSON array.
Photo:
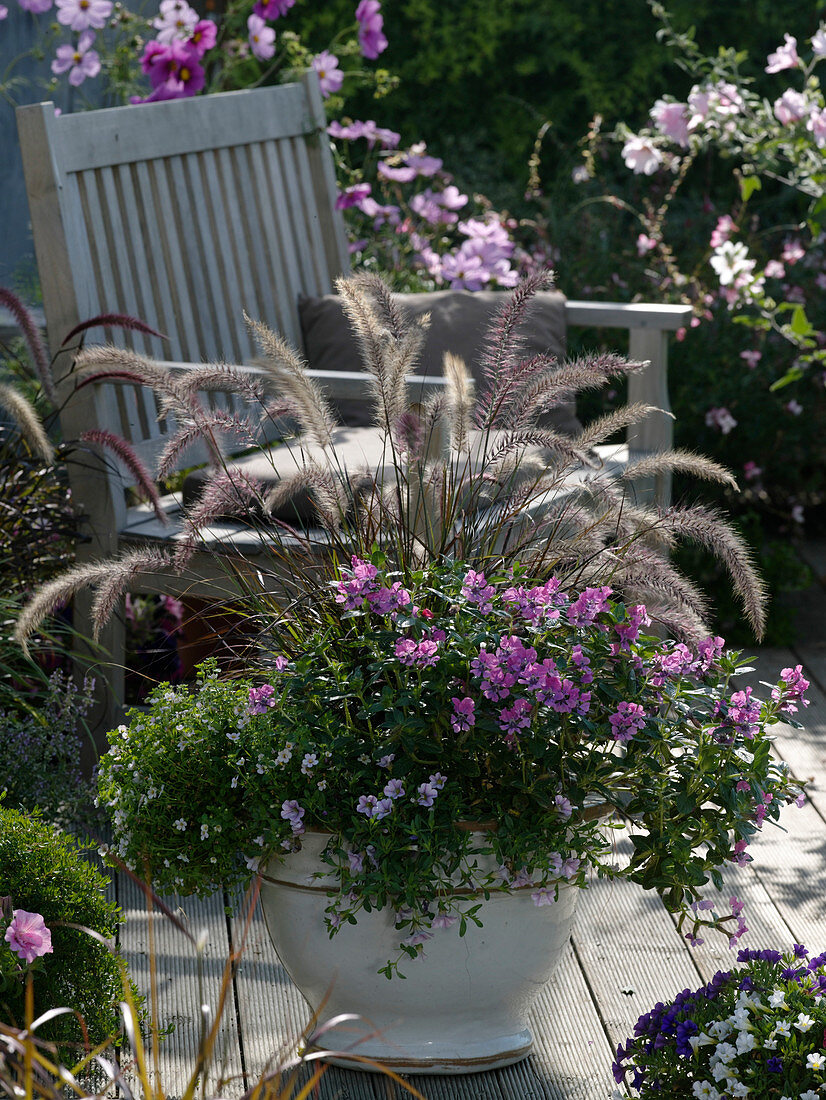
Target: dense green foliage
[
  {"x": 44, "y": 871},
  {"x": 478, "y": 79}
]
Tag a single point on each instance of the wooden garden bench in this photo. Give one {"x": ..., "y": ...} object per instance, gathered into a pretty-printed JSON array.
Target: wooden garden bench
[{"x": 186, "y": 214}]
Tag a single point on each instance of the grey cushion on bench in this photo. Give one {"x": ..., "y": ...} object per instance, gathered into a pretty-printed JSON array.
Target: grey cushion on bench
[{"x": 459, "y": 321}]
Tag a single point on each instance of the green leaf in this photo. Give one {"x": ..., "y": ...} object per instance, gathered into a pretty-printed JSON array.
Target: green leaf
[
  {"x": 748, "y": 185},
  {"x": 800, "y": 324},
  {"x": 793, "y": 374}
]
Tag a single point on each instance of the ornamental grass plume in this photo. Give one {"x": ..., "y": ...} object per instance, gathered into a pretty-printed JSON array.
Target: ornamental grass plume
[{"x": 474, "y": 478}]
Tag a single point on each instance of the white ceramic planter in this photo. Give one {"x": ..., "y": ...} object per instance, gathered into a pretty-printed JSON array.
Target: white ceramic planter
[{"x": 464, "y": 1004}]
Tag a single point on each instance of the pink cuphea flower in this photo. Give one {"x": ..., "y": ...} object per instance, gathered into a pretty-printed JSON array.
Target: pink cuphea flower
[
  {"x": 671, "y": 119},
  {"x": 330, "y": 75},
  {"x": 784, "y": 57},
  {"x": 791, "y": 107},
  {"x": 81, "y": 15},
  {"x": 80, "y": 61},
  {"x": 370, "y": 29},
  {"x": 641, "y": 156},
  {"x": 261, "y": 38},
  {"x": 28, "y": 936}
]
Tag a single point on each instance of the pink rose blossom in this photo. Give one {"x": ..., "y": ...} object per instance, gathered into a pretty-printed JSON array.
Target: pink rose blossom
[{"x": 28, "y": 936}]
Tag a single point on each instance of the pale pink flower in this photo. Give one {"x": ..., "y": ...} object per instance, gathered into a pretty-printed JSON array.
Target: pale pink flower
[
  {"x": 816, "y": 124},
  {"x": 330, "y": 75},
  {"x": 721, "y": 419},
  {"x": 751, "y": 358},
  {"x": 36, "y": 7},
  {"x": 261, "y": 37},
  {"x": 80, "y": 61},
  {"x": 797, "y": 513},
  {"x": 819, "y": 42},
  {"x": 4, "y": 11},
  {"x": 645, "y": 244},
  {"x": 794, "y": 407},
  {"x": 793, "y": 251},
  {"x": 731, "y": 261},
  {"x": 371, "y": 35},
  {"x": 671, "y": 119},
  {"x": 751, "y": 471},
  {"x": 80, "y": 15},
  {"x": 641, "y": 157},
  {"x": 791, "y": 107},
  {"x": 722, "y": 231},
  {"x": 774, "y": 270},
  {"x": 28, "y": 936},
  {"x": 784, "y": 57}
]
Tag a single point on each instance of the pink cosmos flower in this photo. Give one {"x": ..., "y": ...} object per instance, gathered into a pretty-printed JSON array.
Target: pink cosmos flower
[
  {"x": 36, "y": 7},
  {"x": 641, "y": 157},
  {"x": 791, "y": 107},
  {"x": 388, "y": 139},
  {"x": 784, "y": 57},
  {"x": 671, "y": 119},
  {"x": 273, "y": 9},
  {"x": 329, "y": 74},
  {"x": 352, "y": 196},
  {"x": 28, "y": 936},
  {"x": 80, "y": 61},
  {"x": 177, "y": 20},
  {"x": 173, "y": 68},
  {"x": 80, "y": 15},
  {"x": 370, "y": 33},
  {"x": 203, "y": 37},
  {"x": 261, "y": 38},
  {"x": 4, "y": 11}
]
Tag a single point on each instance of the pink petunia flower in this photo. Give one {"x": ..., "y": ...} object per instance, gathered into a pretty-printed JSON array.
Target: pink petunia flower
[
  {"x": 261, "y": 37},
  {"x": 329, "y": 74},
  {"x": 370, "y": 29},
  {"x": 81, "y": 15},
  {"x": 80, "y": 61},
  {"x": 273, "y": 9},
  {"x": 28, "y": 936}
]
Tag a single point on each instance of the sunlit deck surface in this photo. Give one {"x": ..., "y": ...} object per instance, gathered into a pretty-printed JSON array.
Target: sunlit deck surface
[{"x": 624, "y": 955}]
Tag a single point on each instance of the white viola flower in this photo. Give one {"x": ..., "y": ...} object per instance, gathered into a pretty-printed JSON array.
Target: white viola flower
[
  {"x": 641, "y": 157},
  {"x": 803, "y": 1022},
  {"x": 815, "y": 1061},
  {"x": 819, "y": 42}
]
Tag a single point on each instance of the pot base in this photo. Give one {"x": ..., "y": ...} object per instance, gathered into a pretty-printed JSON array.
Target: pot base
[{"x": 429, "y": 1061}]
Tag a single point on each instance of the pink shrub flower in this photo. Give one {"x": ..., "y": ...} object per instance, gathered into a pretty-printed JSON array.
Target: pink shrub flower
[
  {"x": 261, "y": 699},
  {"x": 645, "y": 244},
  {"x": 261, "y": 37},
  {"x": 791, "y": 107},
  {"x": 816, "y": 123},
  {"x": 80, "y": 61},
  {"x": 784, "y": 57},
  {"x": 751, "y": 358},
  {"x": 751, "y": 471},
  {"x": 352, "y": 196},
  {"x": 370, "y": 29},
  {"x": 641, "y": 157},
  {"x": 28, "y": 936},
  {"x": 81, "y": 15},
  {"x": 722, "y": 231},
  {"x": 721, "y": 419},
  {"x": 330, "y": 75},
  {"x": 671, "y": 119},
  {"x": 819, "y": 43}
]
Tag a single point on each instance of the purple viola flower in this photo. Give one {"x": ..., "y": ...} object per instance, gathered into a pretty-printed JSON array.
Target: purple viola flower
[
  {"x": 82, "y": 15},
  {"x": 261, "y": 699},
  {"x": 370, "y": 29},
  {"x": 464, "y": 714},
  {"x": 629, "y": 631},
  {"x": 330, "y": 76},
  {"x": 385, "y": 601},
  {"x": 628, "y": 719},
  {"x": 80, "y": 61}
]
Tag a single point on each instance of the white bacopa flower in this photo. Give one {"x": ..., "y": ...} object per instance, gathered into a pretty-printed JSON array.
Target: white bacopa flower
[{"x": 204, "y": 832}]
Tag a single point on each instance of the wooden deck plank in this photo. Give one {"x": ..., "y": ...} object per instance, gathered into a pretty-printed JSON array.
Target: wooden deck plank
[{"x": 179, "y": 996}]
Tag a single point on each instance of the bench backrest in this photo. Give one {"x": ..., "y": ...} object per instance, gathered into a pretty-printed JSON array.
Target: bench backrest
[{"x": 185, "y": 213}]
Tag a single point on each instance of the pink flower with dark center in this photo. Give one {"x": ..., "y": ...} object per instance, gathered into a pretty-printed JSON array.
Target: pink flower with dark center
[
  {"x": 352, "y": 196},
  {"x": 80, "y": 61},
  {"x": 273, "y": 9},
  {"x": 370, "y": 29},
  {"x": 28, "y": 936},
  {"x": 173, "y": 69},
  {"x": 203, "y": 37},
  {"x": 80, "y": 15},
  {"x": 330, "y": 75},
  {"x": 628, "y": 720},
  {"x": 261, "y": 37}
]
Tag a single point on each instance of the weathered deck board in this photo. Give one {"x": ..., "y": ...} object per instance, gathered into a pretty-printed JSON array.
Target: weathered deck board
[{"x": 625, "y": 953}]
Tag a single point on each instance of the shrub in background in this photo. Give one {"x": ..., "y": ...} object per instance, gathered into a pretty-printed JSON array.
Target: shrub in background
[{"x": 46, "y": 872}]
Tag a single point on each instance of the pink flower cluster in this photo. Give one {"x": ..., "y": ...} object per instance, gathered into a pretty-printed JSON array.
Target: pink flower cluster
[
  {"x": 172, "y": 60},
  {"x": 261, "y": 699},
  {"x": 628, "y": 720},
  {"x": 794, "y": 687},
  {"x": 740, "y": 716}
]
